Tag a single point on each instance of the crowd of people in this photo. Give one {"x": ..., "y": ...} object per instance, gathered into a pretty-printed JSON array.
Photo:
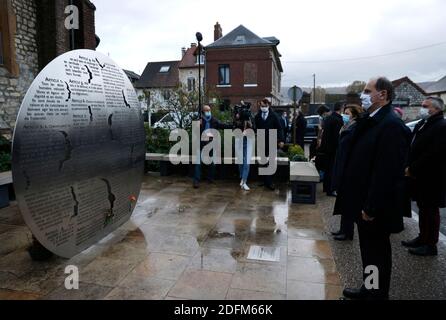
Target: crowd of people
[
  {"x": 265, "y": 119},
  {"x": 374, "y": 166}
]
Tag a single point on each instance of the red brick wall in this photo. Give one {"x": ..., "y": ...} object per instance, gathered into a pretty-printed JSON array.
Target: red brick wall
[
  {"x": 89, "y": 29},
  {"x": 236, "y": 59},
  {"x": 53, "y": 37}
]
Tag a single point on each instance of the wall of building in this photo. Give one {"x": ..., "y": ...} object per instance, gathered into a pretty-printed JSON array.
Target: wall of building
[
  {"x": 156, "y": 99},
  {"x": 40, "y": 37},
  {"x": 186, "y": 73},
  {"x": 13, "y": 89},
  {"x": 53, "y": 38},
  {"x": 440, "y": 95},
  {"x": 408, "y": 91},
  {"x": 237, "y": 58}
]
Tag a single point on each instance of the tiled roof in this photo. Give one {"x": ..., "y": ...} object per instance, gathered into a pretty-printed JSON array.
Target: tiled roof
[
  {"x": 425, "y": 85},
  {"x": 153, "y": 78},
  {"x": 437, "y": 87},
  {"x": 398, "y": 82},
  {"x": 241, "y": 37},
  {"x": 189, "y": 59},
  {"x": 273, "y": 40},
  {"x": 132, "y": 74}
]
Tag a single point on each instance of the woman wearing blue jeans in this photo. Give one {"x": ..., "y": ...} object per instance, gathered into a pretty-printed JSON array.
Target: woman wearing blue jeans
[{"x": 243, "y": 149}]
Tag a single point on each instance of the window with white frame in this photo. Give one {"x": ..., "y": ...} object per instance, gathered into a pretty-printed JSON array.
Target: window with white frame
[
  {"x": 224, "y": 75},
  {"x": 250, "y": 74},
  {"x": 164, "y": 69},
  {"x": 190, "y": 84},
  {"x": 199, "y": 59}
]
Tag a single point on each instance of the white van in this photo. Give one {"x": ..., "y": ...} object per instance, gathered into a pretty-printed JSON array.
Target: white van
[{"x": 172, "y": 121}]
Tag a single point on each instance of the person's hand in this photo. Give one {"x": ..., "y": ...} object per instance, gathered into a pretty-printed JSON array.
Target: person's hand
[
  {"x": 281, "y": 145},
  {"x": 407, "y": 172},
  {"x": 365, "y": 217}
]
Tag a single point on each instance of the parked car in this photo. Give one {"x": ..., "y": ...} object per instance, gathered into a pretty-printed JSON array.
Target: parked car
[
  {"x": 411, "y": 125},
  {"x": 312, "y": 128},
  {"x": 172, "y": 120}
]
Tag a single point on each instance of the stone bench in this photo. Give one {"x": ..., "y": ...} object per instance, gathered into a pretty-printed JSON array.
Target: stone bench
[
  {"x": 5, "y": 185},
  {"x": 165, "y": 161},
  {"x": 304, "y": 177}
]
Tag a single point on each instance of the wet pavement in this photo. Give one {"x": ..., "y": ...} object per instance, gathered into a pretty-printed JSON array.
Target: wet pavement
[
  {"x": 183, "y": 243},
  {"x": 413, "y": 278},
  {"x": 442, "y": 218}
]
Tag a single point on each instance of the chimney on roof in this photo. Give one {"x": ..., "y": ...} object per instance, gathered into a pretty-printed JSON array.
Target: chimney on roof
[
  {"x": 193, "y": 45},
  {"x": 218, "y": 32},
  {"x": 183, "y": 52}
]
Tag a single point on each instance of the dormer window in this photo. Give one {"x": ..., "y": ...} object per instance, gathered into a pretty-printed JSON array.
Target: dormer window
[
  {"x": 240, "y": 40},
  {"x": 164, "y": 69}
]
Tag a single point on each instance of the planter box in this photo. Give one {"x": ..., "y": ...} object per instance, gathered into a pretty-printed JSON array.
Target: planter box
[{"x": 304, "y": 178}]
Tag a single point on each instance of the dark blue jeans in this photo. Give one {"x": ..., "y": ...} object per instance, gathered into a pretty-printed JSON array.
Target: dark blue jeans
[
  {"x": 197, "y": 171},
  {"x": 245, "y": 146}
]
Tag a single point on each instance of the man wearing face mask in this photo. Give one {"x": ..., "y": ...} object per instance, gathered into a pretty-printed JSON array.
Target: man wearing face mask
[
  {"x": 267, "y": 119},
  {"x": 427, "y": 172},
  {"x": 374, "y": 186},
  {"x": 207, "y": 121}
]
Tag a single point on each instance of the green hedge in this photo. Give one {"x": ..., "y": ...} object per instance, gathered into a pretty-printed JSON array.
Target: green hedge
[{"x": 296, "y": 153}]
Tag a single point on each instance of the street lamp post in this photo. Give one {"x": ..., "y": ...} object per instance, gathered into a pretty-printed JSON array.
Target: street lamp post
[
  {"x": 314, "y": 88},
  {"x": 199, "y": 39}
]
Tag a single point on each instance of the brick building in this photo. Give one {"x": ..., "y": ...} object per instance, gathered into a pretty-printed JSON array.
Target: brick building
[
  {"x": 157, "y": 83},
  {"x": 160, "y": 79},
  {"x": 243, "y": 66},
  {"x": 188, "y": 68},
  {"x": 33, "y": 33}
]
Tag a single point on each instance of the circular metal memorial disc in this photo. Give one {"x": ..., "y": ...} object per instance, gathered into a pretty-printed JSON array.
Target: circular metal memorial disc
[{"x": 78, "y": 152}]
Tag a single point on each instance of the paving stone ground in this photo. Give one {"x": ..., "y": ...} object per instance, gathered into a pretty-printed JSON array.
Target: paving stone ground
[{"x": 182, "y": 243}]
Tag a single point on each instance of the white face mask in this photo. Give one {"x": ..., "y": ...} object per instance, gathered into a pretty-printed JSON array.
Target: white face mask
[
  {"x": 366, "y": 101},
  {"x": 424, "y": 113},
  {"x": 264, "y": 109}
]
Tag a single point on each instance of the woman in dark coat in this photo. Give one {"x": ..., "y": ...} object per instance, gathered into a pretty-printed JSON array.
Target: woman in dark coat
[{"x": 350, "y": 114}]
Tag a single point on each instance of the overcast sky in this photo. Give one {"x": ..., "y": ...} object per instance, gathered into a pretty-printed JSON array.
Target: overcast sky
[{"x": 134, "y": 32}]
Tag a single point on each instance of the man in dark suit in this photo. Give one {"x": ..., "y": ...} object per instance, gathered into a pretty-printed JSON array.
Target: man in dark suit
[
  {"x": 284, "y": 124},
  {"x": 207, "y": 122},
  {"x": 267, "y": 119},
  {"x": 329, "y": 144},
  {"x": 374, "y": 192},
  {"x": 427, "y": 172},
  {"x": 299, "y": 127}
]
